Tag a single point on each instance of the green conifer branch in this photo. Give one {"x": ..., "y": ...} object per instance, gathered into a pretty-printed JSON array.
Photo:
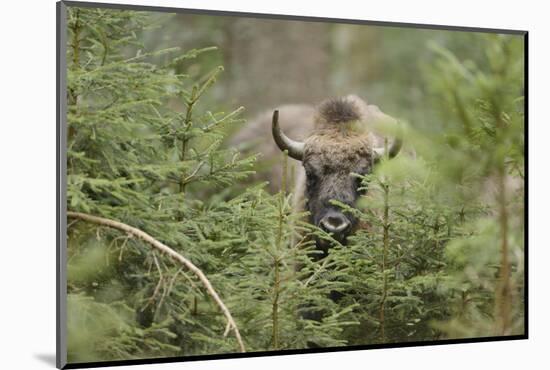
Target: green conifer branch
[{"x": 163, "y": 248}]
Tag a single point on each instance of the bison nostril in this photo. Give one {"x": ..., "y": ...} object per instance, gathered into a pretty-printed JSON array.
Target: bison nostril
[{"x": 335, "y": 223}]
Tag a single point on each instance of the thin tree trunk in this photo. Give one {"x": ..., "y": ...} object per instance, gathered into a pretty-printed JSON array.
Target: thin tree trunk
[
  {"x": 386, "y": 238},
  {"x": 504, "y": 289},
  {"x": 276, "y": 260},
  {"x": 72, "y": 96},
  {"x": 386, "y": 228}
]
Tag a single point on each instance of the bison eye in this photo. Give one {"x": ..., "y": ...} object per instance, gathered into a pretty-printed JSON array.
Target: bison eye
[{"x": 311, "y": 179}]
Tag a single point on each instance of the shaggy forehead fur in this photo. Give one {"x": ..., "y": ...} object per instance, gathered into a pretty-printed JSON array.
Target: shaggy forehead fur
[
  {"x": 336, "y": 151},
  {"x": 338, "y": 141},
  {"x": 338, "y": 110}
]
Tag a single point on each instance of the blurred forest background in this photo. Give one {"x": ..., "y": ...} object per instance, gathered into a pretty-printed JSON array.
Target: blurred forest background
[{"x": 152, "y": 100}]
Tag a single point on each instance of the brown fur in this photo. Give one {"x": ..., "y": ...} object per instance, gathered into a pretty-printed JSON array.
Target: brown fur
[
  {"x": 302, "y": 122},
  {"x": 338, "y": 110}
]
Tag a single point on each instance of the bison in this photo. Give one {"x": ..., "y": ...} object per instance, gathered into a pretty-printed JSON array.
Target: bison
[
  {"x": 332, "y": 142},
  {"x": 337, "y": 148}
]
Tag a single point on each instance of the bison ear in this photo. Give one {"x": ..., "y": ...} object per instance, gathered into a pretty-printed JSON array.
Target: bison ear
[
  {"x": 375, "y": 116},
  {"x": 295, "y": 148},
  {"x": 380, "y": 153}
]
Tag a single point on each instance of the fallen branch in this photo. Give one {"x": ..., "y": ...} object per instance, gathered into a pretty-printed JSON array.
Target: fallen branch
[{"x": 170, "y": 252}]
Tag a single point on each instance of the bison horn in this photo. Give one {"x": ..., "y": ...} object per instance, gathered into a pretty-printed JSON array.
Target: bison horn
[{"x": 295, "y": 148}]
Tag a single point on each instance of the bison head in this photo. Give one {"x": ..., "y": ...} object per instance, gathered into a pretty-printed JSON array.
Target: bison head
[{"x": 335, "y": 151}]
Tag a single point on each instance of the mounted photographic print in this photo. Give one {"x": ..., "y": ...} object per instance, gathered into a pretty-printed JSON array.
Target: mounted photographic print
[{"x": 235, "y": 185}]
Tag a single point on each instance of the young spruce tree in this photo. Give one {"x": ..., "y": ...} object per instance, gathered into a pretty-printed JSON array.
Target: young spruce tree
[{"x": 133, "y": 159}]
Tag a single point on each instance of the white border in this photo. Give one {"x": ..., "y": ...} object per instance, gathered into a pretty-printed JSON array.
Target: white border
[{"x": 28, "y": 182}]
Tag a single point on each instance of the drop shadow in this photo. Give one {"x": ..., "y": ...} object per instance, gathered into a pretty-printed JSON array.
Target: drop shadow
[{"x": 47, "y": 358}]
